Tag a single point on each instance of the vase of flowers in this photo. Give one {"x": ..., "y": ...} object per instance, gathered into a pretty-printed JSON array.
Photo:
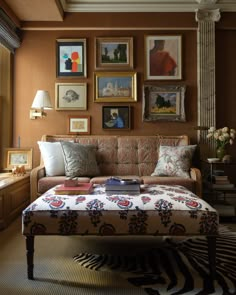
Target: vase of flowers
[{"x": 223, "y": 137}]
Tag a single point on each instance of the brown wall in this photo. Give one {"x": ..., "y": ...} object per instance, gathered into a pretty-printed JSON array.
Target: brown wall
[{"x": 35, "y": 68}]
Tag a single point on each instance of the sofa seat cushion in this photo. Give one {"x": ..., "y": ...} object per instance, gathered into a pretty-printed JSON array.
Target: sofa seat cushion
[
  {"x": 157, "y": 210},
  {"x": 46, "y": 183},
  {"x": 102, "y": 179},
  {"x": 189, "y": 183}
]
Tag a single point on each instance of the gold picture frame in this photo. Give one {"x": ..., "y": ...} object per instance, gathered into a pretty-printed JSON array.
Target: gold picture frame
[
  {"x": 114, "y": 53},
  {"x": 70, "y": 96},
  {"x": 79, "y": 124},
  {"x": 115, "y": 87},
  {"x": 18, "y": 157}
]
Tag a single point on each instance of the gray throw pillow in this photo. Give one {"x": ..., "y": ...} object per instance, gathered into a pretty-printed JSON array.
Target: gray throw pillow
[{"x": 80, "y": 160}]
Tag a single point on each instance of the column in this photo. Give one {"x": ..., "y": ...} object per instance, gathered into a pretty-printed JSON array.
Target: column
[{"x": 206, "y": 77}]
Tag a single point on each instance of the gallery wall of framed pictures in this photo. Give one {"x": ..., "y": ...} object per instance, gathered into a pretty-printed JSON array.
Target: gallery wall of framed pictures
[{"x": 115, "y": 81}]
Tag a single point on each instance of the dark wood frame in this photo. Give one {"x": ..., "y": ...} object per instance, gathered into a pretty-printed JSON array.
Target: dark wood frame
[
  {"x": 123, "y": 111},
  {"x": 71, "y": 45}
]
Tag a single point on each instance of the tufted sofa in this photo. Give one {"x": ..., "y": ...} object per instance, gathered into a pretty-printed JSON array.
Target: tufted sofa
[{"x": 124, "y": 156}]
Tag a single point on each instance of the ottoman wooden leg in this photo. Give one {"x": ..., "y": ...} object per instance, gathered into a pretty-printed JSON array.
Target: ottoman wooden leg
[
  {"x": 30, "y": 256},
  {"x": 211, "y": 241}
]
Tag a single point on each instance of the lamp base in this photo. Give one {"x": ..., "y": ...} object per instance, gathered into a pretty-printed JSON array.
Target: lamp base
[{"x": 34, "y": 114}]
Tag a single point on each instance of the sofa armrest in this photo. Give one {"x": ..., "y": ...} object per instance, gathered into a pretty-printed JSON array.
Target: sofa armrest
[
  {"x": 35, "y": 174},
  {"x": 195, "y": 174}
]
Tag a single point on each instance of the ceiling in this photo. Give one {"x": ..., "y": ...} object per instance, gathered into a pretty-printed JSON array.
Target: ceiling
[{"x": 54, "y": 10}]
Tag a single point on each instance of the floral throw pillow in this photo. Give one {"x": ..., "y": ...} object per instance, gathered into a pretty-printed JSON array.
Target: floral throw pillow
[{"x": 174, "y": 161}]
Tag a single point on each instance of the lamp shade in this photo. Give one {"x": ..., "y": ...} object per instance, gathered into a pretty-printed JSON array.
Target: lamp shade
[{"x": 42, "y": 100}]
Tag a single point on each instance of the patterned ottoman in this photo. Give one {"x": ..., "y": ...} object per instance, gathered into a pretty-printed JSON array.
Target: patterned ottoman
[{"x": 159, "y": 210}]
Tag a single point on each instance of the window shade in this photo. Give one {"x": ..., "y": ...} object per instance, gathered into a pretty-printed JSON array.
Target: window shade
[{"x": 9, "y": 33}]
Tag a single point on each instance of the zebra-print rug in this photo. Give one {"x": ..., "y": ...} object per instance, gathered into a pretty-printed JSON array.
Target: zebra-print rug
[{"x": 174, "y": 267}]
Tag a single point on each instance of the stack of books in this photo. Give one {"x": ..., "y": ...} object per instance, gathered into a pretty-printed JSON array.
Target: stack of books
[
  {"x": 78, "y": 189},
  {"x": 220, "y": 181},
  {"x": 116, "y": 185}
]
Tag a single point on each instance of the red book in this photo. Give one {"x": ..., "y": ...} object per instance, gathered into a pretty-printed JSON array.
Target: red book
[{"x": 80, "y": 189}]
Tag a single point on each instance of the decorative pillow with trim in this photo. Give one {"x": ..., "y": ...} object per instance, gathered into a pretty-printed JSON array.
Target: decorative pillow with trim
[
  {"x": 52, "y": 157},
  {"x": 79, "y": 159},
  {"x": 174, "y": 161}
]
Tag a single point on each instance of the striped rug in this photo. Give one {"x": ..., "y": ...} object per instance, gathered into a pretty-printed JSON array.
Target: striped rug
[{"x": 174, "y": 267}]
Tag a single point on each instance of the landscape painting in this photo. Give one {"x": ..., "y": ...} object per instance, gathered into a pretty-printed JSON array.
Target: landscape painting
[
  {"x": 163, "y": 103},
  {"x": 115, "y": 53}
]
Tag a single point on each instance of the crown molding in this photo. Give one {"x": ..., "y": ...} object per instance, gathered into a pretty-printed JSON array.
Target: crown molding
[{"x": 146, "y": 6}]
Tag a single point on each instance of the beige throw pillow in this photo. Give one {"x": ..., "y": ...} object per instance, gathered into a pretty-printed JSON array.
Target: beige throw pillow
[{"x": 174, "y": 161}]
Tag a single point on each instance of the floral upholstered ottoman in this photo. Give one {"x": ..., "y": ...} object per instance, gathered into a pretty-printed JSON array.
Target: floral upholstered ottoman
[{"x": 159, "y": 210}]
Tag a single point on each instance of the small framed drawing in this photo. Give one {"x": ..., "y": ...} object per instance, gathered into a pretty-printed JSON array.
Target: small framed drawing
[
  {"x": 115, "y": 87},
  {"x": 71, "y": 96},
  {"x": 165, "y": 103},
  {"x": 116, "y": 117},
  {"x": 114, "y": 53},
  {"x": 71, "y": 58},
  {"x": 163, "y": 57},
  {"x": 79, "y": 125},
  {"x": 18, "y": 157}
]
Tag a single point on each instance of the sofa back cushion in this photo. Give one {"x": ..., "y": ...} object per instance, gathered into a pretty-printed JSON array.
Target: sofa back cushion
[{"x": 124, "y": 155}]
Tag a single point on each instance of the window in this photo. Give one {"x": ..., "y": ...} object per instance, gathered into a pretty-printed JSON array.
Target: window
[{"x": 5, "y": 101}]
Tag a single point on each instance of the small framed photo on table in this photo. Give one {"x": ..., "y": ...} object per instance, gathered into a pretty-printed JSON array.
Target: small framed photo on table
[
  {"x": 18, "y": 157},
  {"x": 79, "y": 124},
  {"x": 116, "y": 117}
]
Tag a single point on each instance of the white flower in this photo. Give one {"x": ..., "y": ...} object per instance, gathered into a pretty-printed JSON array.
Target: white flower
[
  {"x": 223, "y": 136},
  {"x": 211, "y": 129}
]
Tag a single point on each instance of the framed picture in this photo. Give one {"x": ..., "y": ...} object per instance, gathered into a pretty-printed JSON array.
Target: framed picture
[
  {"x": 71, "y": 58},
  {"x": 71, "y": 96},
  {"x": 163, "y": 57},
  {"x": 115, "y": 87},
  {"x": 164, "y": 103},
  {"x": 116, "y": 117},
  {"x": 18, "y": 157},
  {"x": 79, "y": 125},
  {"x": 114, "y": 53}
]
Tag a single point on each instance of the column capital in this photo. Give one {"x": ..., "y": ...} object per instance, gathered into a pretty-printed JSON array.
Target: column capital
[{"x": 207, "y": 15}]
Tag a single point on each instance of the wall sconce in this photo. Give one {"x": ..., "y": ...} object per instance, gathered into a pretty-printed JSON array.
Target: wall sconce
[{"x": 41, "y": 101}]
